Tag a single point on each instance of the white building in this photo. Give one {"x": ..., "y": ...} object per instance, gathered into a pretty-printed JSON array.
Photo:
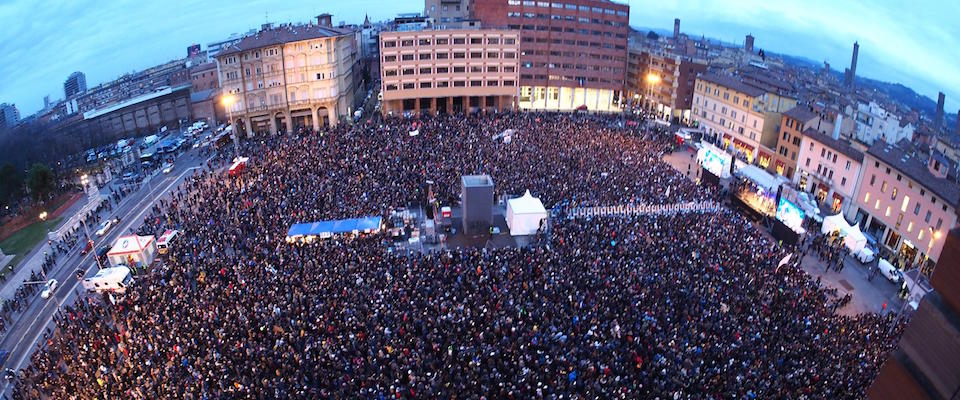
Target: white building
[{"x": 874, "y": 123}]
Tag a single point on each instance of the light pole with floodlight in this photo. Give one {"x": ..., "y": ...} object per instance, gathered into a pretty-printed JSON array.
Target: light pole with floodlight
[{"x": 228, "y": 100}]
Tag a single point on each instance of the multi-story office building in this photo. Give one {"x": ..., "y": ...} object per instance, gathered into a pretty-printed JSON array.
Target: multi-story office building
[
  {"x": 447, "y": 13},
  {"x": 740, "y": 115},
  {"x": 453, "y": 70},
  {"x": 830, "y": 170},
  {"x": 75, "y": 84},
  {"x": 663, "y": 83},
  {"x": 573, "y": 54},
  {"x": 9, "y": 116},
  {"x": 906, "y": 202},
  {"x": 290, "y": 76}
]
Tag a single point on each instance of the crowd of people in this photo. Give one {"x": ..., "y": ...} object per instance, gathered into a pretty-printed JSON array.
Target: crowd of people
[{"x": 683, "y": 306}]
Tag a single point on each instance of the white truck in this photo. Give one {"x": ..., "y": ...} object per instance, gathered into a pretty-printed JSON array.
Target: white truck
[{"x": 114, "y": 279}]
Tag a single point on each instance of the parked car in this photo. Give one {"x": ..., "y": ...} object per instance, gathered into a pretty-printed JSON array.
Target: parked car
[
  {"x": 889, "y": 271},
  {"x": 865, "y": 255},
  {"x": 105, "y": 227},
  {"x": 167, "y": 167},
  {"x": 49, "y": 288}
]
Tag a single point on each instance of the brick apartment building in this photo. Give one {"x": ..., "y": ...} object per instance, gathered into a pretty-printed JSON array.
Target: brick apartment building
[
  {"x": 573, "y": 54},
  {"x": 663, "y": 83}
]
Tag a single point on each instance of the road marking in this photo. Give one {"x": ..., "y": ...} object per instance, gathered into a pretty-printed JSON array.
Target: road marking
[{"x": 83, "y": 260}]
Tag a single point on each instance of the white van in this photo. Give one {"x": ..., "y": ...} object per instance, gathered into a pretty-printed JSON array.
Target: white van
[
  {"x": 115, "y": 279},
  {"x": 165, "y": 240}
]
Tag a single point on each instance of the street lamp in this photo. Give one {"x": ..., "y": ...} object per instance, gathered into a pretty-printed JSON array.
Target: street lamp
[
  {"x": 93, "y": 248},
  {"x": 652, "y": 79},
  {"x": 228, "y": 100}
]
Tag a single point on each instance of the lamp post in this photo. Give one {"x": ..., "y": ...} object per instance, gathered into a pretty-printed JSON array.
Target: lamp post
[
  {"x": 228, "y": 100},
  {"x": 93, "y": 248},
  {"x": 652, "y": 79}
]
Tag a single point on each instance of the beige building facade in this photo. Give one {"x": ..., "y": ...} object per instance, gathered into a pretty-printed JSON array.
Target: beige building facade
[
  {"x": 289, "y": 77},
  {"x": 450, "y": 71}
]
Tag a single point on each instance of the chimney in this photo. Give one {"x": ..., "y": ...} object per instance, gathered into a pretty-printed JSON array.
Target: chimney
[
  {"x": 325, "y": 20},
  {"x": 836, "y": 127}
]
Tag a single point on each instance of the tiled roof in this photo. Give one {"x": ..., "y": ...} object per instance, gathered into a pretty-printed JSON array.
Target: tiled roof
[
  {"x": 838, "y": 145},
  {"x": 733, "y": 83},
  {"x": 801, "y": 113},
  {"x": 916, "y": 169},
  {"x": 283, "y": 34}
]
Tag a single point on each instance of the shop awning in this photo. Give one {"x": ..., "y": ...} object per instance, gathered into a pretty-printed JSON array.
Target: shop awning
[{"x": 334, "y": 227}]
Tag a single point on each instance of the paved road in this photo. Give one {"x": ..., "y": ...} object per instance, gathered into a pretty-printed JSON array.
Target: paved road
[{"x": 23, "y": 334}]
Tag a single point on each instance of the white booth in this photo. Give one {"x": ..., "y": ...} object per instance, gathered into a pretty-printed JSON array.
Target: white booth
[
  {"x": 524, "y": 214},
  {"x": 133, "y": 250}
]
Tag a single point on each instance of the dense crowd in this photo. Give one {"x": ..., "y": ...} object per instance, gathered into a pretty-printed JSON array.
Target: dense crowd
[{"x": 682, "y": 306}]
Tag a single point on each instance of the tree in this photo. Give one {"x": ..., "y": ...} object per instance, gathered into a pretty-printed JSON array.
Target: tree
[
  {"x": 11, "y": 184},
  {"x": 40, "y": 179}
]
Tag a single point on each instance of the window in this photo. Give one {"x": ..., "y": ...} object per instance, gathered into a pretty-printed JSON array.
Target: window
[
  {"x": 843, "y": 182},
  {"x": 509, "y": 41},
  {"x": 458, "y": 55},
  {"x": 848, "y": 165},
  {"x": 476, "y": 40},
  {"x": 426, "y": 70},
  {"x": 493, "y": 83},
  {"x": 476, "y": 69},
  {"x": 459, "y": 83},
  {"x": 407, "y": 57},
  {"x": 391, "y": 86},
  {"x": 916, "y": 209},
  {"x": 460, "y": 40},
  {"x": 493, "y": 54},
  {"x": 443, "y": 41},
  {"x": 492, "y": 68},
  {"x": 459, "y": 69},
  {"x": 939, "y": 223},
  {"x": 443, "y": 84},
  {"x": 424, "y": 42},
  {"x": 508, "y": 83},
  {"x": 476, "y": 54},
  {"x": 406, "y": 43},
  {"x": 391, "y": 58},
  {"x": 443, "y": 70},
  {"x": 390, "y": 43},
  {"x": 873, "y": 178},
  {"x": 407, "y": 71},
  {"x": 883, "y": 187},
  {"x": 866, "y": 198},
  {"x": 509, "y": 54},
  {"x": 390, "y": 72},
  {"x": 443, "y": 56},
  {"x": 425, "y": 85},
  {"x": 906, "y": 202},
  {"x": 425, "y": 56},
  {"x": 408, "y": 85},
  {"x": 893, "y": 194},
  {"x": 476, "y": 83}
]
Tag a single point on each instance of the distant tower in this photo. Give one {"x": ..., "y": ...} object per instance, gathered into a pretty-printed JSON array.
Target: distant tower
[
  {"x": 956, "y": 127},
  {"x": 46, "y": 102},
  {"x": 75, "y": 84},
  {"x": 748, "y": 45},
  {"x": 938, "y": 121},
  {"x": 853, "y": 65},
  {"x": 676, "y": 28}
]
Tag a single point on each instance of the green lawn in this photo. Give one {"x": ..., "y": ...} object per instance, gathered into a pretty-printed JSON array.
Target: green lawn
[{"x": 25, "y": 239}]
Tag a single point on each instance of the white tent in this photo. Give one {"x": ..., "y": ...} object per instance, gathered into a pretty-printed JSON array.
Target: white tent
[
  {"x": 854, "y": 239},
  {"x": 524, "y": 214},
  {"x": 133, "y": 250},
  {"x": 835, "y": 223}
]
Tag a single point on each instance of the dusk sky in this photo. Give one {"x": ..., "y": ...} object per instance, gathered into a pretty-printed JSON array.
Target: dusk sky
[{"x": 915, "y": 43}]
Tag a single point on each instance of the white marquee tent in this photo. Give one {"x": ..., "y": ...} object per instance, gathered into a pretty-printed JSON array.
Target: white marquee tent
[
  {"x": 524, "y": 214},
  {"x": 853, "y": 238}
]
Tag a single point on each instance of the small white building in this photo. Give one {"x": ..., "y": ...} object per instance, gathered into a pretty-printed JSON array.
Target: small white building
[{"x": 133, "y": 250}]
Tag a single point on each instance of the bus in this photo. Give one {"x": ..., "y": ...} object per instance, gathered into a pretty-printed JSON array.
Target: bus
[
  {"x": 114, "y": 279},
  {"x": 163, "y": 243}
]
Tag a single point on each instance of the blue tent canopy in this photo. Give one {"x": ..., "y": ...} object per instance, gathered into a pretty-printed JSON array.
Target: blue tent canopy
[{"x": 334, "y": 227}]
